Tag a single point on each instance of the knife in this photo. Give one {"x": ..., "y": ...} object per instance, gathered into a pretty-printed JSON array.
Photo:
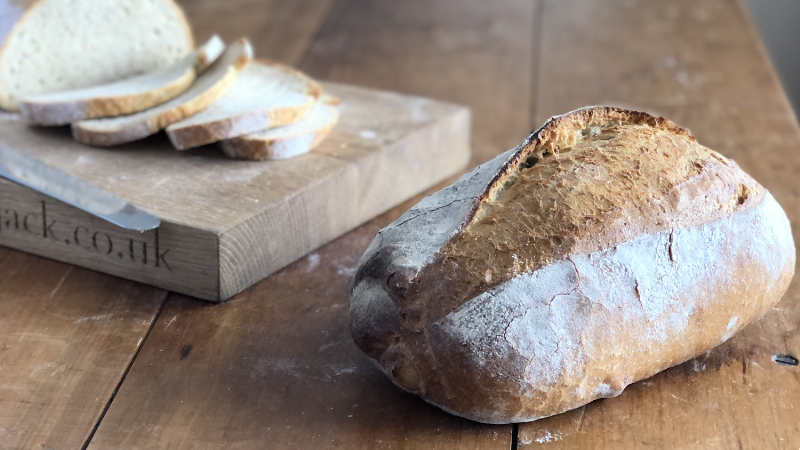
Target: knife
[{"x": 27, "y": 171}]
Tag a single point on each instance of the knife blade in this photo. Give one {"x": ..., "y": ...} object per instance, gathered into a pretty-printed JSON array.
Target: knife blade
[{"x": 28, "y": 171}]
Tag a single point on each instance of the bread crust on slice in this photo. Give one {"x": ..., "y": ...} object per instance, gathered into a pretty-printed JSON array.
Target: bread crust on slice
[
  {"x": 287, "y": 141},
  {"x": 122, "y": 97},
  {"x": 44, "y": 52},
  {"x": 207, "y": 88},
  {"x": 266, "y": 95}
]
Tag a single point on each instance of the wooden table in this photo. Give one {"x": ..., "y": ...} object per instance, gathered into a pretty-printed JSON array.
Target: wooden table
[{"x": 89, "y": 360}]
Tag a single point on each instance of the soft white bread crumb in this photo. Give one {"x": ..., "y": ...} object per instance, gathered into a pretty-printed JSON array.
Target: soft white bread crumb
[
  {"x": 208, "y": 87},
  {"x": 265, "y": 95},
  {"x": 289, "y": 140},
  {"x": 122, "y": 97},
  {"x": 67, "y": 44}
]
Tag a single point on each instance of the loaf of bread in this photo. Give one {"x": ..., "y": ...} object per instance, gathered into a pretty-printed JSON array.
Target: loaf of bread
[
  {"x": 56, "y": 45},
  {"x": 607, "y": 247}
]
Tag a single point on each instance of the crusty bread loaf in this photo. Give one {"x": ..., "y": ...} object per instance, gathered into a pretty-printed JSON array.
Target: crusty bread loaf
[
  {"x": 58, "y": 45},
  {"x": 605, "y": 248},
  {"x": 207, "y": 88},
  {"x": 287, "y": 141},
  {"x": 122, "y": 97},
  {"x": 265, "y": 95}
]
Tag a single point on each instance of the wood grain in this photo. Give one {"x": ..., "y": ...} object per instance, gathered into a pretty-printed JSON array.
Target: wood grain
[
  {"x": 66, "y": 337},
  {"x": 276, "y": 363},
  {"x": 701, "y": 65},
  {"x": 35, "y": 223},
  {"x": 280, "y": 30},
  {"x": 220, "y": 237},
  {"x": 275, "y": 366},
  {"x": 468, "y": 52}
]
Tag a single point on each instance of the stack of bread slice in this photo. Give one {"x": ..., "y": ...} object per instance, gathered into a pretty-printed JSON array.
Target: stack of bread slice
[
  {"x": 254, "y": 109},
  {"x": 206, "y": 89},
  {"x": 289, "y": 140}
]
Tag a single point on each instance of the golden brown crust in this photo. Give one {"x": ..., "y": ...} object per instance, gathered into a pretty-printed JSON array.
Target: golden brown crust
[
  {"x": 129, "y": 133},
  {"x": 289, "y": 141},
  {"x": 264, "y": 149},
  {"x": 559, "y": 133},
  {"x": 207, "y": 133},
  {"x": 585, "y": 181},
  {"x": 129, "y": 104},
  {"x": 85, "y": 132},
  {"x": 196, "y": 104}
]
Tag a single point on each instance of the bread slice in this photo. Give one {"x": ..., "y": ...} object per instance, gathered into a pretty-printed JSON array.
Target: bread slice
[
  {"x": 289, "y": 140},
  {"x": 265, "y": 95},
  {"x": 208, "y": 87},
  {"x": 58, "y": 45},
  {"x": 122, "y": 97}
]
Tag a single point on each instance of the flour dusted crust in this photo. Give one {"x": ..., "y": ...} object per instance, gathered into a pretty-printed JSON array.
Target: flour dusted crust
[{"x": 607, "y": 247}]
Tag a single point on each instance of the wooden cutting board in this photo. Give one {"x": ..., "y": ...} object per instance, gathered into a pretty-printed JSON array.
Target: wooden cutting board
[{"x": 226, "y": 224}]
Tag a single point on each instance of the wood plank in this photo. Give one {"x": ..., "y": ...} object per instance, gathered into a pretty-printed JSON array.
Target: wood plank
[
  {"x": 66, "y": 337},
  {"x": 276, "y": 363},
  {"x": 465, "y": 52},
  {"x": 700, "y": 64},
  {"x": 280, "y": 30},
  {"x": 256, "y": 217}
]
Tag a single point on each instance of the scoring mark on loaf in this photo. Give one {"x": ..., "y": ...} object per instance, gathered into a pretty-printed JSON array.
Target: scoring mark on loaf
[{"x": 587, "y": 181}]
